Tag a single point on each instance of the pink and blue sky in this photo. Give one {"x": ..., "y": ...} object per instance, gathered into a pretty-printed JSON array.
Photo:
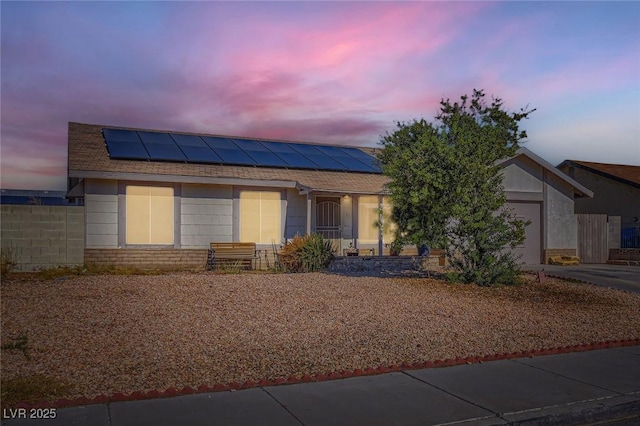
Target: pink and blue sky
[{"x": 330, "y": 72}]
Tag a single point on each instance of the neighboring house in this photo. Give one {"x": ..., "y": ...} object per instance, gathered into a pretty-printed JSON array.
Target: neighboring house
[
  {"x": 616, "y": 190},
  {"x": 33, "y": 197},
  {"x": 208, "y": 188}
]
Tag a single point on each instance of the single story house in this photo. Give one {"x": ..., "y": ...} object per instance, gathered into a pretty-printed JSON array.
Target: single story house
[
  {"x": 155, "y": 196},
  {"x": 616, "y": 189}
]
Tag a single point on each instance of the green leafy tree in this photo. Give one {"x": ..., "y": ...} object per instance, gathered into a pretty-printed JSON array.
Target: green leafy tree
[{"x": 446, "y": 185}]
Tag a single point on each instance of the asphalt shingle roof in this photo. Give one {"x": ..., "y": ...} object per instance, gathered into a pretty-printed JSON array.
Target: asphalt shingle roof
[
  {"x": 88, "y": 154},
  {"x": 627, "y": 173}
]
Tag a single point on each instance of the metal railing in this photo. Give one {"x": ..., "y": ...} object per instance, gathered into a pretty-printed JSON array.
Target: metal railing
[{"x": 630, "y": 237}]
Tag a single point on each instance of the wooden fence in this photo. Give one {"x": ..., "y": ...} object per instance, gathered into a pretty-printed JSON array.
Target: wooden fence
[{"x": 592, "y": 238}]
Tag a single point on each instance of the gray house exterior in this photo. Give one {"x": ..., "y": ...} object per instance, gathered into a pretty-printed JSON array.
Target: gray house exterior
[
  {"x": 616, "y": 189},
  {"x": 181, "y": 207}
]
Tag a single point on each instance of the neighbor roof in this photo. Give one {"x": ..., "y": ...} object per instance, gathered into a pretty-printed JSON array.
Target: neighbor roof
[
  {"x": 33, "y": 197},
  {"x": 620, "y": 172},
  {"x": 88, "y": 158}
]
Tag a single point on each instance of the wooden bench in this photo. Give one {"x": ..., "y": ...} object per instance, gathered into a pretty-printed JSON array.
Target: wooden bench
[{"x": 236, "y": 255}]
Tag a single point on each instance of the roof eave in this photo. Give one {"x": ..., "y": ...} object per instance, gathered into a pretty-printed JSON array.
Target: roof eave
[
  {"x": 148, "y": 177},
  {"x": 573, "y": 163}
]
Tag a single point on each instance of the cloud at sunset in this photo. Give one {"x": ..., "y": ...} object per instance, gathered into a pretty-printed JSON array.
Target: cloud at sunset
[{"x": 322, "y": 72}]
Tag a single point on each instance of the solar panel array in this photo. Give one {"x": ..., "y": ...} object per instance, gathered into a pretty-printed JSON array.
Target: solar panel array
[{"x": 154, "y": 146}]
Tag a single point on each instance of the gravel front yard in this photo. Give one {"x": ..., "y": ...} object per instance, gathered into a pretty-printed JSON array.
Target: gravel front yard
[{"x": 107, "y": 334}]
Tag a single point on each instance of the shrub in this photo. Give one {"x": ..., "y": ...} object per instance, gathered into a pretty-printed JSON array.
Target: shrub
[
  {"x": 310, "y": 253},
  {"x": 8, "y": 260}
]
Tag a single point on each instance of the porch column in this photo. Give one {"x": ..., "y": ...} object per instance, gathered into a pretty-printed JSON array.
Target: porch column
[
  {"x": 308, "y": 213},
  {"x": 380, "y": 228}
]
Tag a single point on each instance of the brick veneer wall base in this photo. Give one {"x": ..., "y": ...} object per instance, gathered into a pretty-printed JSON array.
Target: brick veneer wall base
[
  {"x": 558, "y": 252},
  {"x": 167, "y": 259}
]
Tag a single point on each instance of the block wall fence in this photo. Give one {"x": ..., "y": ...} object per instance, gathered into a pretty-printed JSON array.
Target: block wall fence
[{"x": 43, "y": 237}]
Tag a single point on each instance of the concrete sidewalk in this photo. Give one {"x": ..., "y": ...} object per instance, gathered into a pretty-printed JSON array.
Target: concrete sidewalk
[{"x": 577, "y": 388}]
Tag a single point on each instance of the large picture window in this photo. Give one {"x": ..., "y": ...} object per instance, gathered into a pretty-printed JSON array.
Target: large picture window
[
  {"x": 260, "y": 217},
  {"x": 149, "y": 215},
  {"x": 368, "y": 209}
]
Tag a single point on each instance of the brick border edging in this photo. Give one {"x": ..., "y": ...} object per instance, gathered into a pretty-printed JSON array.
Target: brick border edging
[{"x": 320, "y": 377}]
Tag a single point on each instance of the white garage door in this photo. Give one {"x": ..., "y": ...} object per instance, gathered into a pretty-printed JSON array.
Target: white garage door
[{"x": 531, "y": 250}]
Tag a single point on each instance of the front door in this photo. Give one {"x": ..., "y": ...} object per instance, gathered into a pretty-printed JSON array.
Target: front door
[{"x": 328, "y": 220}]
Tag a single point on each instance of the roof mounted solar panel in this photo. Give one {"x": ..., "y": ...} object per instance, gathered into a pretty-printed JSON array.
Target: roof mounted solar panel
[
  {"x": 124, "y": 144},
  {"x": 120, "y": 135},
  {"x": 201, "y": 154},
  {"x": 356, "y": 153},
  {"x": 291, "y": 157},
  {"x": 297, "y": 161},
  {"x": 350, "y": 163},
  {"x": 228, "y": 151},
  {"x": 218, "y": 142},
  {"x": 249, "y": 145},
  {"x": 304, "y": 149},
  {"x": 266, "y": 159},
  {"x": 326, "y": 163},
  {"x": 363, "y": 157},
  {"x": 161, "y": 146},
  {"x": 322, "y": 160},
  {"x": 188, "y": 140},
  {"x": 127, "y": 150},
  {"x": 164, "y": 152},
  {"x": 278, "y": 147},
  {"x": 234, "y": 156},
  {"x": 157, "y": 138},
  {"x": 259, "y": 153}
]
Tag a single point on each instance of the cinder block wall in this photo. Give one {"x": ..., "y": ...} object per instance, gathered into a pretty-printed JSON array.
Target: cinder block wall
[
  {"x": 167, "y": 259},
  {"x": 614, "y": 235},
  {"x": 43, "y": 236}
]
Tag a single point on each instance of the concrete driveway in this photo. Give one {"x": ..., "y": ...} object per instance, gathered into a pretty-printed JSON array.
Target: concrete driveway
[{"x": 615, "y": 276}]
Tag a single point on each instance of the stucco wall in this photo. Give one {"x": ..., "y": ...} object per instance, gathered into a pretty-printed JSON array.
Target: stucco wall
[
  {"x": 296, "y": 214},
  {"x": 206, "y": 215},
  {"x": 609, "y": 196},
  {"x": 522, "y": 175},
  {"x": 101, "y": 209},
  {"x": 43, "y": 236},
  {"x": 562, "y": 226}
]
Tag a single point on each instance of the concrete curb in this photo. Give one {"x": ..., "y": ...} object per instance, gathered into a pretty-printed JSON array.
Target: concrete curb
[
  {"x": 319, "y": 377},
  {"x": 624, "y": 262},
  {"x": 586, "y": 415}
]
